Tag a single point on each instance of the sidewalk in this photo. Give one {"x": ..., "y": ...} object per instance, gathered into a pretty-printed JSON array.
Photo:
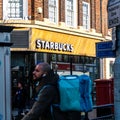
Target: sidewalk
[{"x": 15, "y": 115}]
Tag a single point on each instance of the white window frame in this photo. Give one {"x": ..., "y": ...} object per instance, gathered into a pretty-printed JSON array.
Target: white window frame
[
  {"x": 53, "y": 11},
  {"x": 86, "y": 15},
  {"x": 71, "y": 13},
  {"x": 5, "y": 10}
]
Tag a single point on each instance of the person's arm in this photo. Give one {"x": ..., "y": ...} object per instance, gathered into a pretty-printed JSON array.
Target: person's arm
[{"x": 45, "y": 98}]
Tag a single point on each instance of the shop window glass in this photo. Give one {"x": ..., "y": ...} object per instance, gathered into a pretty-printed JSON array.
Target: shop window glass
[
  {"x": 91, "y": 60},
  {"x": 65, "y": 58},
  {"x": 60, "y": 58},
  {"x": 82, "y": 59},
  {"x": 76, "y": 59},
  {"x": 53, "y": 57},
  {"x": 40, "y": 57}
]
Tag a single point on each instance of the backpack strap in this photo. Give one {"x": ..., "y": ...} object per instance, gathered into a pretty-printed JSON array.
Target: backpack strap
[{"x": 45, "y": 86}]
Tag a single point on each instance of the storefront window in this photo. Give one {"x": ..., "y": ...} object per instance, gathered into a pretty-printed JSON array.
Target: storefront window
[
  {"x": 65, "y": 58},
  {"x": 82, "y": 60},
  {"x": 91, "y": 60},
  {"x": 87, "y": 60},
  {"x": 76, "y": 59},
  {"x": 40, "y": 57},
  {"x": 60, "y": 58}
]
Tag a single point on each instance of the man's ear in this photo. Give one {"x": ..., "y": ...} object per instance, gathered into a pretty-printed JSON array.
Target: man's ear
[{"x": 44, "y": 75}]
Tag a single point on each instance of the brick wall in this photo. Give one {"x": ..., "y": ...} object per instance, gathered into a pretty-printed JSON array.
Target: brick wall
[
  {"x": 45, "y": 6},
  {"x": 33, "y": 6},
  {"x": 1, "y": 9},
  {"x": 101, "y": 23},
  {"x": 62, "y": 10},
  {"x": 97, "y": 16},
  {"x": 104, "y": 18},
  {"x": 96, "y": 10},
  {"x": 92, "y": 12},
  {"x": 80, "y": 13}
]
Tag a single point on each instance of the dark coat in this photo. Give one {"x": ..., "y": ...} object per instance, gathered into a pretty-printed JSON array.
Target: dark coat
[
  {"x": 20, "y": 98},
  {"x": 47, "y": 97}
]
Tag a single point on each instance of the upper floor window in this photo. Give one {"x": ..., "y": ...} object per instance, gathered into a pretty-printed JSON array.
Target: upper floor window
[
  {"x": 53, "y": 10},
  {"x": 86, "y": 16},
  {"x": 15, "y": 9},
  {"x": 71, "y": 12}
]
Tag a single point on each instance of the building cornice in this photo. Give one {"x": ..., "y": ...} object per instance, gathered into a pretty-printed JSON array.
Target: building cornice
[{"x": 52, "y": 27}]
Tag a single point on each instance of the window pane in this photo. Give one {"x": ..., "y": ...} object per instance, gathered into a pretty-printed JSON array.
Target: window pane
[
  {"x": 15, "y": 8},
  {"x": 53, "y": 10},
  {"x": 52, "y": 2},
  {"x": 69, "y": 12},
  {"x": 85, "y": 16}
]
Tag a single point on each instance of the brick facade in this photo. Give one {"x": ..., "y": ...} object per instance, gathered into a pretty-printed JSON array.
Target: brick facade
[
  {"x": 92, "y": 12},
  {"x": 1, "y": 10},
  {"x": 104, "y": 18},
  {"x": 80, "y": 13},
  {"x": 45, "y": 3},
  {"x": 62, "y": 11},
  {"x": 98, "y": 13},
  {"x": 97, "y": 16},
  {"x": 33, "y": 6}
]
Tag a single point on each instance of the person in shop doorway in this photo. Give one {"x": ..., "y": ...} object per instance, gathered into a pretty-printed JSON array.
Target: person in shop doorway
[
  {"x": 47, "y": 97},
  {"x": 20, "y": 98}
]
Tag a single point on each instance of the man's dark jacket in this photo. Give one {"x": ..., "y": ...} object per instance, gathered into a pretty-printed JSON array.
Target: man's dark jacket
[{"x": 47, "y": 98}]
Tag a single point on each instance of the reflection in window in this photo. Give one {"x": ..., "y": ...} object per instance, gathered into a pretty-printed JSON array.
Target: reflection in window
[
  {"x": 53, "y": 56},
  {"x": 65, "y": 58},
  {"x": 60, "y": 58}
]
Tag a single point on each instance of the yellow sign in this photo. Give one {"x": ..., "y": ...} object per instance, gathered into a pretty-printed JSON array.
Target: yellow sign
[
  {"x": 61, "y": 43},
  {"x": 40, "y": 44}
]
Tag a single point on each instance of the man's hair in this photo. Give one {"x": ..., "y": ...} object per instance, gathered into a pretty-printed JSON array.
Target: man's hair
[{"x": 45, "y": 67}]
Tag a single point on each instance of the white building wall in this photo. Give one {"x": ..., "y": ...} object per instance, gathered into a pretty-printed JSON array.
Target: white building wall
[{"x": 108, "y": 67}]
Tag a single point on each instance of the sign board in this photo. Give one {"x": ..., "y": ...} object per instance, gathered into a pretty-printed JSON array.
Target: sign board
[
  {"x": 111, "y": 2},
  {"x": 104, "y": 50},
  {"x": 113, "y": 13}
]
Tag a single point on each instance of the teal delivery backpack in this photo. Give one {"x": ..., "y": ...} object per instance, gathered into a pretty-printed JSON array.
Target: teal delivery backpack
[
  {"x": 85, "y": 91},
  {"x": 74, "y": 95}
]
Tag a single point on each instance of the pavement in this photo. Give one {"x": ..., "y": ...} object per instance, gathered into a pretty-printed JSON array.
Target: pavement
[
  {"x": 15, "y": 115},
  {"x": 91, "y": 115}
]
